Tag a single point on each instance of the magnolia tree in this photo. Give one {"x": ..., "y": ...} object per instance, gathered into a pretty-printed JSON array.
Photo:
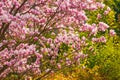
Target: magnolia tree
[{"x": 38, "y": 37}]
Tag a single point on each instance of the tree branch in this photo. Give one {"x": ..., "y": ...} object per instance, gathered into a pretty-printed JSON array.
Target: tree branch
[{"x": 16, "y": 11}]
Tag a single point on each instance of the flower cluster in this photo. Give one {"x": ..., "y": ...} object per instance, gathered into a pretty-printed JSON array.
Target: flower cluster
[
  {"x": 102, "y": 26},
  {"x": 18, "y": 60},
  {"x": 112, "y": 32},
  {"x": 101, "y": 39}
]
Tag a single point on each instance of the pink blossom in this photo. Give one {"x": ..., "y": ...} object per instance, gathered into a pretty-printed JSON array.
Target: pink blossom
[
  {"x": 106, "y": 12},
  {"x": 102, "y": 39},
  {"x": 99, "y": 16},
  {"x": 35, "y": 38},
  {"x": 59, "y": 66},
  {"x": 102, "y": 26},
  {"x": 112, "y": 33}
]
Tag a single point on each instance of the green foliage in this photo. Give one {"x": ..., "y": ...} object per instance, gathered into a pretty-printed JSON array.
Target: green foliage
[
  {"x": 108, "y": 59},
  {"x": 108, "y": 19},
  {"x": 115, "y": 5}
]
